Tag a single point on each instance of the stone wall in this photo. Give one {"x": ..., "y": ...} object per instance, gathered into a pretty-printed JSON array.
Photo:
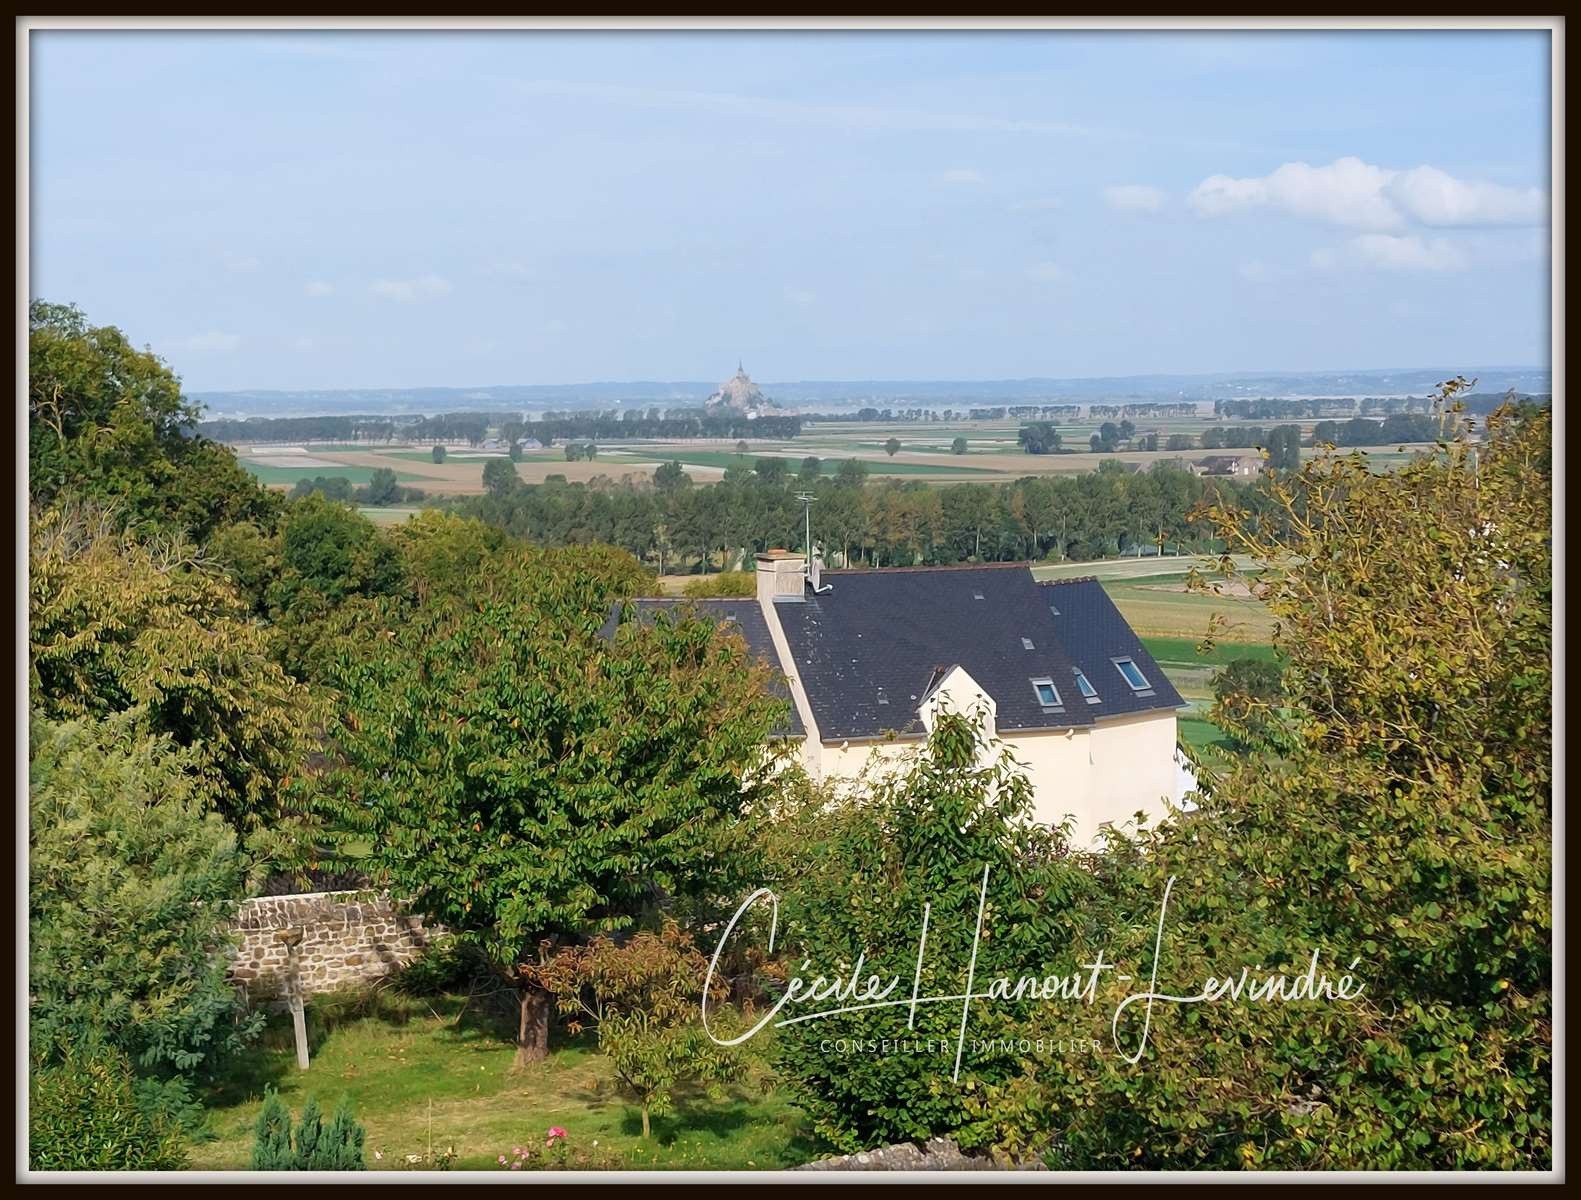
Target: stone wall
[
  {"x": 348, "y": 938},
  {"x": 936, "y": 1154}
]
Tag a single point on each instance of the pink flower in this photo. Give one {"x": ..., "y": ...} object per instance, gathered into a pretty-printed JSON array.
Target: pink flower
[
  {"x": 555, "y": 1132},
  {"x": 502, "y": 1160},
  {"x": 516, "y": 1166},
  {"x": 517, "y": 1151}
]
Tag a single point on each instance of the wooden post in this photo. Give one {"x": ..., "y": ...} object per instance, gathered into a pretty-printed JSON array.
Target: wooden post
[{"x": 292, "y": 939}]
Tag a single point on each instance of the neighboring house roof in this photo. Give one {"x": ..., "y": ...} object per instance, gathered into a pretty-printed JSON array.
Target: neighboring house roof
[
  {"x": 873, "y": 646},
  {"x": 870, "y": 649},
  {"x": 746, "y": 617},
  {"x": 1226, "y": 464},
  {"x": 1095, "y": 634}
]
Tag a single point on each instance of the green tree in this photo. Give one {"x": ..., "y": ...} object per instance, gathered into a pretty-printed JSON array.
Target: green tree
[
  {"x": 342, "y": 1144},
  {"x": 958, "y": 446},
  {"x": 439, "y": 454},
  {"x": 516, "y": 451},
  {"x": 851, "y": 473},
  {"x": 1246, "y": 691},
  {"x": 500, "y": 478},
  {"x": 811, "y": 468},
  {"x": 528, "y": 782},
  {"x": 854, "y": 876},
  {"x": 272, "y": 1136},
  {"x": 643, "y": 999},
  {"x": 132, "y": 887},
  {"x": 892, "y": 447},
  {"x": 148, "y": 628},
  {"x": 83, "y": 1115},
  {"x": 383, "y": 487},
  {"x": 1037, "y": 437},
  {"x": 1406, "y": 823},
  {"x": 1284, "y": 448},
  {"x": 445, "y": 554},
  {"x": 670, "y": 477},
  {"x": 771, "y": 471},
  {"x": 109, "y": 422}
]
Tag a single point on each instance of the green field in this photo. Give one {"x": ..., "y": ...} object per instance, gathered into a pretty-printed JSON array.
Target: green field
[
  {"x": 1182, "y": 652},
  {"x": 429, "y": 1074},
  {"x": 387, "y": 516},
  {"x": 1156, "y": 606}
]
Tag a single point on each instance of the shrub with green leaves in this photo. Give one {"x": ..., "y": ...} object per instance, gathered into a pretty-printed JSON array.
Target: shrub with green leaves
[
  {"x": 312, "y": 1146},
  {"x": 132, "y": 887},
  {"x": 84, "y": 1116},
  {"x": 644, "y": 998},
  {"x": 857, "y": 883},
  {"x": 721, "y": 584}
]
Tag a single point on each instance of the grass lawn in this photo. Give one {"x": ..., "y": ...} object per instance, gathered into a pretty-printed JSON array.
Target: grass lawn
[
  {"x": 1182, "y": 652},
  {"x": 420, "y": 1083},
  {"x": 1198, "y": 732}
]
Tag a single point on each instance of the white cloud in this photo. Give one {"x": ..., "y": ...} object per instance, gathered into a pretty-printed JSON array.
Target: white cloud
[
  {"x": 1045, "y": 272},
  {"x": 1134, "y": 197},
  {"x": 1434, "y": 197},
  {"x": 1408, "y": 253},
  {"x": 961, "y": 175},
  {"x": 1352, "y": 194},
  {"x": 210, "y": 343},
  {"x": 317, "y": 287},
  {"x": 405, "y": 291}
]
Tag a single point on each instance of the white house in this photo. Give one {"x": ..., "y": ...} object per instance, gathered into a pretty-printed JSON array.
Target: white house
[{"x": 869, "y": 658}]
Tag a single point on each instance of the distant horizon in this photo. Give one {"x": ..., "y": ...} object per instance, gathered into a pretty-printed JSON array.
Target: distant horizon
[
  {"x": 828, "y": 381},
  {"x": 801, "y": 395}
]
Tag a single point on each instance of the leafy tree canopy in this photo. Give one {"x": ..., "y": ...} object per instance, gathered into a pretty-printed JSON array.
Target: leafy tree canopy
[
  {"x": 108, "y": 422},
  {"x": 132, "y": 886}
]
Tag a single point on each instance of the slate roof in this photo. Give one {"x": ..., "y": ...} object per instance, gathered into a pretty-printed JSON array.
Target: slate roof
[
  {"x": 1095, "y": 634},
  {"x": 747, "y": 617},
  {"x": 869, "y": 649}
]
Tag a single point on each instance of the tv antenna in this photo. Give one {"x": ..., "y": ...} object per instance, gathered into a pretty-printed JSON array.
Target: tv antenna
[{"x": 807, "y": 499}]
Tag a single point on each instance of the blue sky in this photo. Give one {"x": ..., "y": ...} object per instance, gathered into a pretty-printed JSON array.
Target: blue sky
[{"x": 323, "y": 210}]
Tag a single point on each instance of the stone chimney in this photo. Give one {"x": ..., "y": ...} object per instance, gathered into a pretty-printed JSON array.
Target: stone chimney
[{"x": 782, "y": 577}]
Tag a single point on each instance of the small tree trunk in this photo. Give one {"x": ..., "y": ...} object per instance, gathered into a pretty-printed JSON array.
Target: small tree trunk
[
  {"x": 645, "y": 1129},
  {"x": 532, "y": 1030}
]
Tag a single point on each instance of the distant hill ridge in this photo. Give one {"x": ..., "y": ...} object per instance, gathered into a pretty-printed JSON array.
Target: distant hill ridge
[{"x": 880, "y": 393}]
